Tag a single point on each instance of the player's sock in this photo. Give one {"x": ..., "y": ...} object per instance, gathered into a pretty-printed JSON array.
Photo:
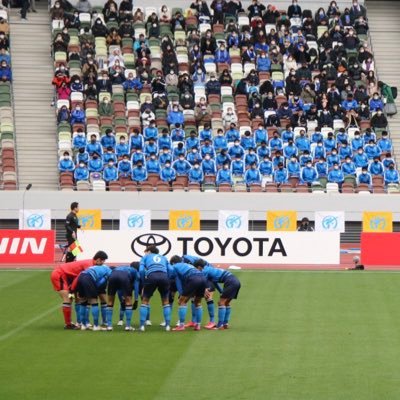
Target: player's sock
[
  {"x": 227, "y": 315},
  {"x": 121, "y": 311},
  {"x": 167, "y": 314},
  {"x": 109, "y": 313},
  {"x": 199, "y": 314},
  {"x": 148, "y": 313},
  {"x": 193, "y": 310},
  {"x": 66, "y": 309},
  {"x": 144, "y": 310},
  {"x": 78, "y": 313},
  {"x": 210, "y": 308},
  {"x": 221, "y": 315},
  {"x": 128, "y": 314},
  {"x": 95, "y": 314},
  {"x": 87, "y": 313},
  {"x": 182, "y": 310},
  {"x": 83, "y": 312},
  {"x": 104, "y": 313}
]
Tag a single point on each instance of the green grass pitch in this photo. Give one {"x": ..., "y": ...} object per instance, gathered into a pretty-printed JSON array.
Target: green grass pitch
[{"x": 295, "y": 335}]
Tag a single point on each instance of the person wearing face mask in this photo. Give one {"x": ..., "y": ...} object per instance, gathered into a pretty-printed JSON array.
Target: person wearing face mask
[
  {"x": 232, "y": 134},
  {"x": 82, "y": 156},
  {"x": 224, "y": 175},
  {"x": 79, "y": 140},
  {"x": 150, "y": 147},
  {"x": 78, "y": 115},
  {"x": 196, "y": 174},
  {"x": 251, "y": 158},
  {"x": 168, "y": 174},
  {"x": 357, "y": 141},
  {"x": 208, "y": 165},
  {"x": 330, "y": 142},
  {"x": 385, "y": 144},
  {"x": 153, "y": 165},
  {"x": 333, "y": 158},
  {"x": 139, "y": 173},
  {"x": 336, "y": 175},
  {"x": 290, "y": 149},
  {"x": 280, "y": 174},
  {"x": 236, "y": 150},
  {"x": 365, "y": 177},
  {"x": 194, "y": 156},
  {"x": 104, "y": 84},
  {"x": 247, "y": 141},
  {"x": 5, "y": 72},
  {"x": 110, "y": 172},
  {"x": 252, "y": 176},
  {"x": 344, "y": 150},
  {"x": 319, "y": 151},
  {"x": 293, "y": 167},
  {"x": 229, "y": 116},
  {"x": 138, "y": 157},
  {"x": 213, "y": 86},
  {"x": 376, "y": 167},
  {"x": 220, "y": 142},
  {"x": 284, "y": 112},
  {"x": 322, "y": 167},
  {"x": 165, "y": 156},
  {"x": 81, "y": 172},
  {"x": 122, "y": 148},
  {"x": 207, "y": 149},
  {"x": 376, "y": 103},
  {"x": 192, "y": 141},
  {"x": 124, "y": 167},
  {"x": 276, "y": 142},
  {"x": 109, "y": 155},
  {"x": 132, "y": 84},
  {"x": 391, "y": 175},
  {"x": 222, "y": 55},
  {"x": 66, "y": 164},
  {"x": 94, "y": 146},
  {"x": 164, "y": 141},
  {"x": 175, "y": 116},
  {"x": 348, "y": 167},
  {"x": 372, "y": 150},
  {"x": 360, "y": 158},
  {"x": 76, "y": 85},
  {"x": 308, "y": 174},
  {"x": 303, "y": 142},
  {"x": 151, "y": 131},
  {"x": 108, "y": 140},
  {"x": 181, "y": 166},
  {"x": 95, "y": 163}
]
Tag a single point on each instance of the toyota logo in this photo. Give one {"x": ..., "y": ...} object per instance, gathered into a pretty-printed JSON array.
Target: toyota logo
[{"x": 140, "y": 243}]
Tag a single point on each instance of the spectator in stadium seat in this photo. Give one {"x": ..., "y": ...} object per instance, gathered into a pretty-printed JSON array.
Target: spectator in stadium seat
[
  {"x": 365, "y": 177},
  {"x": 164, "y": 141},
  {"x": 138, "y": 156},
  {"x": 150, "y": 147},
  {"x": 94, "y": 146},
  {"x": 5, "y": 72},
  {"x": 280, "y": 175},
  {"x": 66, "y": 164},
  {"x": 372, "y": 150},
  {"x": 318, "y": 151},
  {"x": 375, "y": 102},
  {"x": 213, "y": 86},
  {"x": 78, "y": 115},
  {"x": 305, "y": 158},
  {"x": 165, "y": 14},
  {"x": 222, "y": 55},
  {"x": 63, "y": 115},
  {"x": 376, "y": 167},
  {"x": 293, "y": 167},
  {"x": 308, "y": 174},
  {"x": 202, "y": 113},
  {"x": 76, "y": 84},
  {"x": 336, "y": 175},
  {"x": 82, "y": 156},
  {"x": 56, "y": 12},
  {"x": 84, "y": 6},
  {"x": 110, "y": 172},
  {"x": 122, "y": 148},
  {"x": 208, "y": 165},
  {"x": 290, "y": 149},
  {"x": 322, "y": 167},
  {"x": 357, "y": 142},
  {"x": 125, "y": 167},
  {"x": 220, "y": 142},
  {"x": 284, "y": 111},
  {"x": 81, "y": 172},
  {"x": 151, "y": 131},
  {"x": 251, "y": 158},
  {"x": 196, "y": 174},
  {"x": 153, "y": 165},
  {"x": 177, "y": 133},
  {"x": 237, "y": 149},
  {"x": 218, "y": 6},
  {"x": 147, "y": 116},
  {"x": 384, "y": 143},
  {"x": 178, "y": 22},
  {"x": 207, "y": 148},
  {"x": 4, "y": 56},
  {"x": 139, "y": 173},
  {"x": 194, "y": 156},
  {"x": 63, "y": 92},
  {"x": 168, "y": 174},
  {"x": 105, "y": 107},
  {"x": 360, "y": 158},
  {"x": 192, "y": 141},
  {"x": 224, "y": 175},
  {"x": 252, "y": 175},
  {"x": 388, "y": 160},
  {"x": 391, "y": 175},
  {"x": 225, "y": 78},
  {"x": 303, "y": 142},
  {"x": 222, "y": 158},
  {"x": 333, "y": 158},
  {"x": 181, "y": 166},
  {"x": 108, "y": 140},
  {"x": 104, "y": 84},
  {"x": 79, "y": 141},
  {"x": 348, "y": 167},
  {"x": 344, "y": 150},
  {"x": 95, "y": 163},
  {"x": 379, "y": 120}
]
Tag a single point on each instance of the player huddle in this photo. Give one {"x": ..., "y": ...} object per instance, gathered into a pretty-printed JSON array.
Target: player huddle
[{"x": 192, "y": 278}]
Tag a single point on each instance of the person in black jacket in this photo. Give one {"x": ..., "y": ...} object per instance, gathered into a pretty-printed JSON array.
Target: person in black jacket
[
  {"x": 71, "y": 228},
  {"x": 294, "y": 10},
  {"x": 104, "y": 84}
]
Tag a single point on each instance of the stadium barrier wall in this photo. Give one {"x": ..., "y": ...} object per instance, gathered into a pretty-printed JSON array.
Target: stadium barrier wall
[
  {"x": 380, "y": 249},
  {"x": 27, "y": 246},
  {"x": 303, "y": 248}
]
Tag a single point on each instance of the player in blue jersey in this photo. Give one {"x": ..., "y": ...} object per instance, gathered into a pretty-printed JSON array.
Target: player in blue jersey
[
  {"x": 208, "y": 297},
  {"x": 153, "y": 272},
  {"x": 190, "y": 282},
  {"x": 123, "y": 279},
  {"x": 230, "y": 291},
  {"x": 91, "y": 284}
]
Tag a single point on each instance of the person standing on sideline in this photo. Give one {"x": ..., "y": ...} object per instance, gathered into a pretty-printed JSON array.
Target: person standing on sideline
[{"x": 71, "y": 227}]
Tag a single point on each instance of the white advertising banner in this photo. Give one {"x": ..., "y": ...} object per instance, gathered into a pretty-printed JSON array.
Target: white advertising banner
[
  {"x": 329, "y": 221},
  {"x": 130, "y": 220},
  {"x": 35, "y": 219},
  {"x": 304, "y": 248},
  {"x": 233, "y": 220}
]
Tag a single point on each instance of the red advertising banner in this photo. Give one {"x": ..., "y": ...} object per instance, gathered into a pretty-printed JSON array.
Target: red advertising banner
[
  {"x": 27, "y": 246},
  {"x": 380, "y": 249}
]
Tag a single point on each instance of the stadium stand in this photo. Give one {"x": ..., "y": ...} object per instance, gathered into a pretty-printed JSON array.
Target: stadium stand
[
  {"x": 219, "y": 98},
  {"x": 8, "y": 173}
]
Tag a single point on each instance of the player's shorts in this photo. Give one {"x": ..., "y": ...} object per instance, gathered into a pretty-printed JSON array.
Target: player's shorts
[
  {"x": 120, "y": 281},
  {"x": 231, "y": 288},
  {"x": 194, "y": 286},
  {"x": 86, "y": 287},
  {"x": 210, "y": 286},
  {"x": 156, "y": 280},
  {"x": 59, "y": 280}
]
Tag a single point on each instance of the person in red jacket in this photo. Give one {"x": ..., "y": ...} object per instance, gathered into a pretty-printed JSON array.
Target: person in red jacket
[{"x": 63, "y": 278}]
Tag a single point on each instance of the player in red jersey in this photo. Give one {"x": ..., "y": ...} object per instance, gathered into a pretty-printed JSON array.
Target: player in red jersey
[{"x": 63, "y": 278}]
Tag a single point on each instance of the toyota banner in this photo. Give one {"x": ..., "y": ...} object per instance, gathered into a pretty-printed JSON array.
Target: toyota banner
[{"x": 218, "y": 247}]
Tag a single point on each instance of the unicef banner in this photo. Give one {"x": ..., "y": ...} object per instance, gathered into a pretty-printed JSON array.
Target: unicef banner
[
  {"x": 233, "y": 220},
  {"x": 218, "y": 247},
  {"x": 35, "y": 219},
  {"x": 134, "y": 220},
  {"x": 329, "y": 221}
]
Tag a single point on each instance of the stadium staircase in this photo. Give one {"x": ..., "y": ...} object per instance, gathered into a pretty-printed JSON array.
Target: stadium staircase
[
  {"x": 34, "y": 117},
  {"x": 384, "y": 23}
]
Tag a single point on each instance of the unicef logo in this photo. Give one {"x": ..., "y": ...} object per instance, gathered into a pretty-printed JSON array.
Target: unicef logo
[
  {"x": 136, "y": 221},
  {"x": 184, "y": 222},
  {"x": 330, "y": 222},
  {"x": 282, "y": 222},
  {"x": 233, "y": 221},
  {"x": 86, "y": 221},
  {"x": 377, "y": 223},
  {"x": 35, "y": 221}
]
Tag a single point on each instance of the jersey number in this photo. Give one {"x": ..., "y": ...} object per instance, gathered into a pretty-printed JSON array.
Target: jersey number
[{"x": 157, "y": 259}]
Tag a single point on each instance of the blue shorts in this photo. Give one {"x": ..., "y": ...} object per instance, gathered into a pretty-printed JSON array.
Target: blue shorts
[
  {"x": 210, "y": 286},
  {"x": 120, "y": 281},
  {"x": 86, "y": 287},
  {"x": 156, "y": 280},
  {"x": 194, "y": 286},
  {"x": 231, "y": 288}
]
